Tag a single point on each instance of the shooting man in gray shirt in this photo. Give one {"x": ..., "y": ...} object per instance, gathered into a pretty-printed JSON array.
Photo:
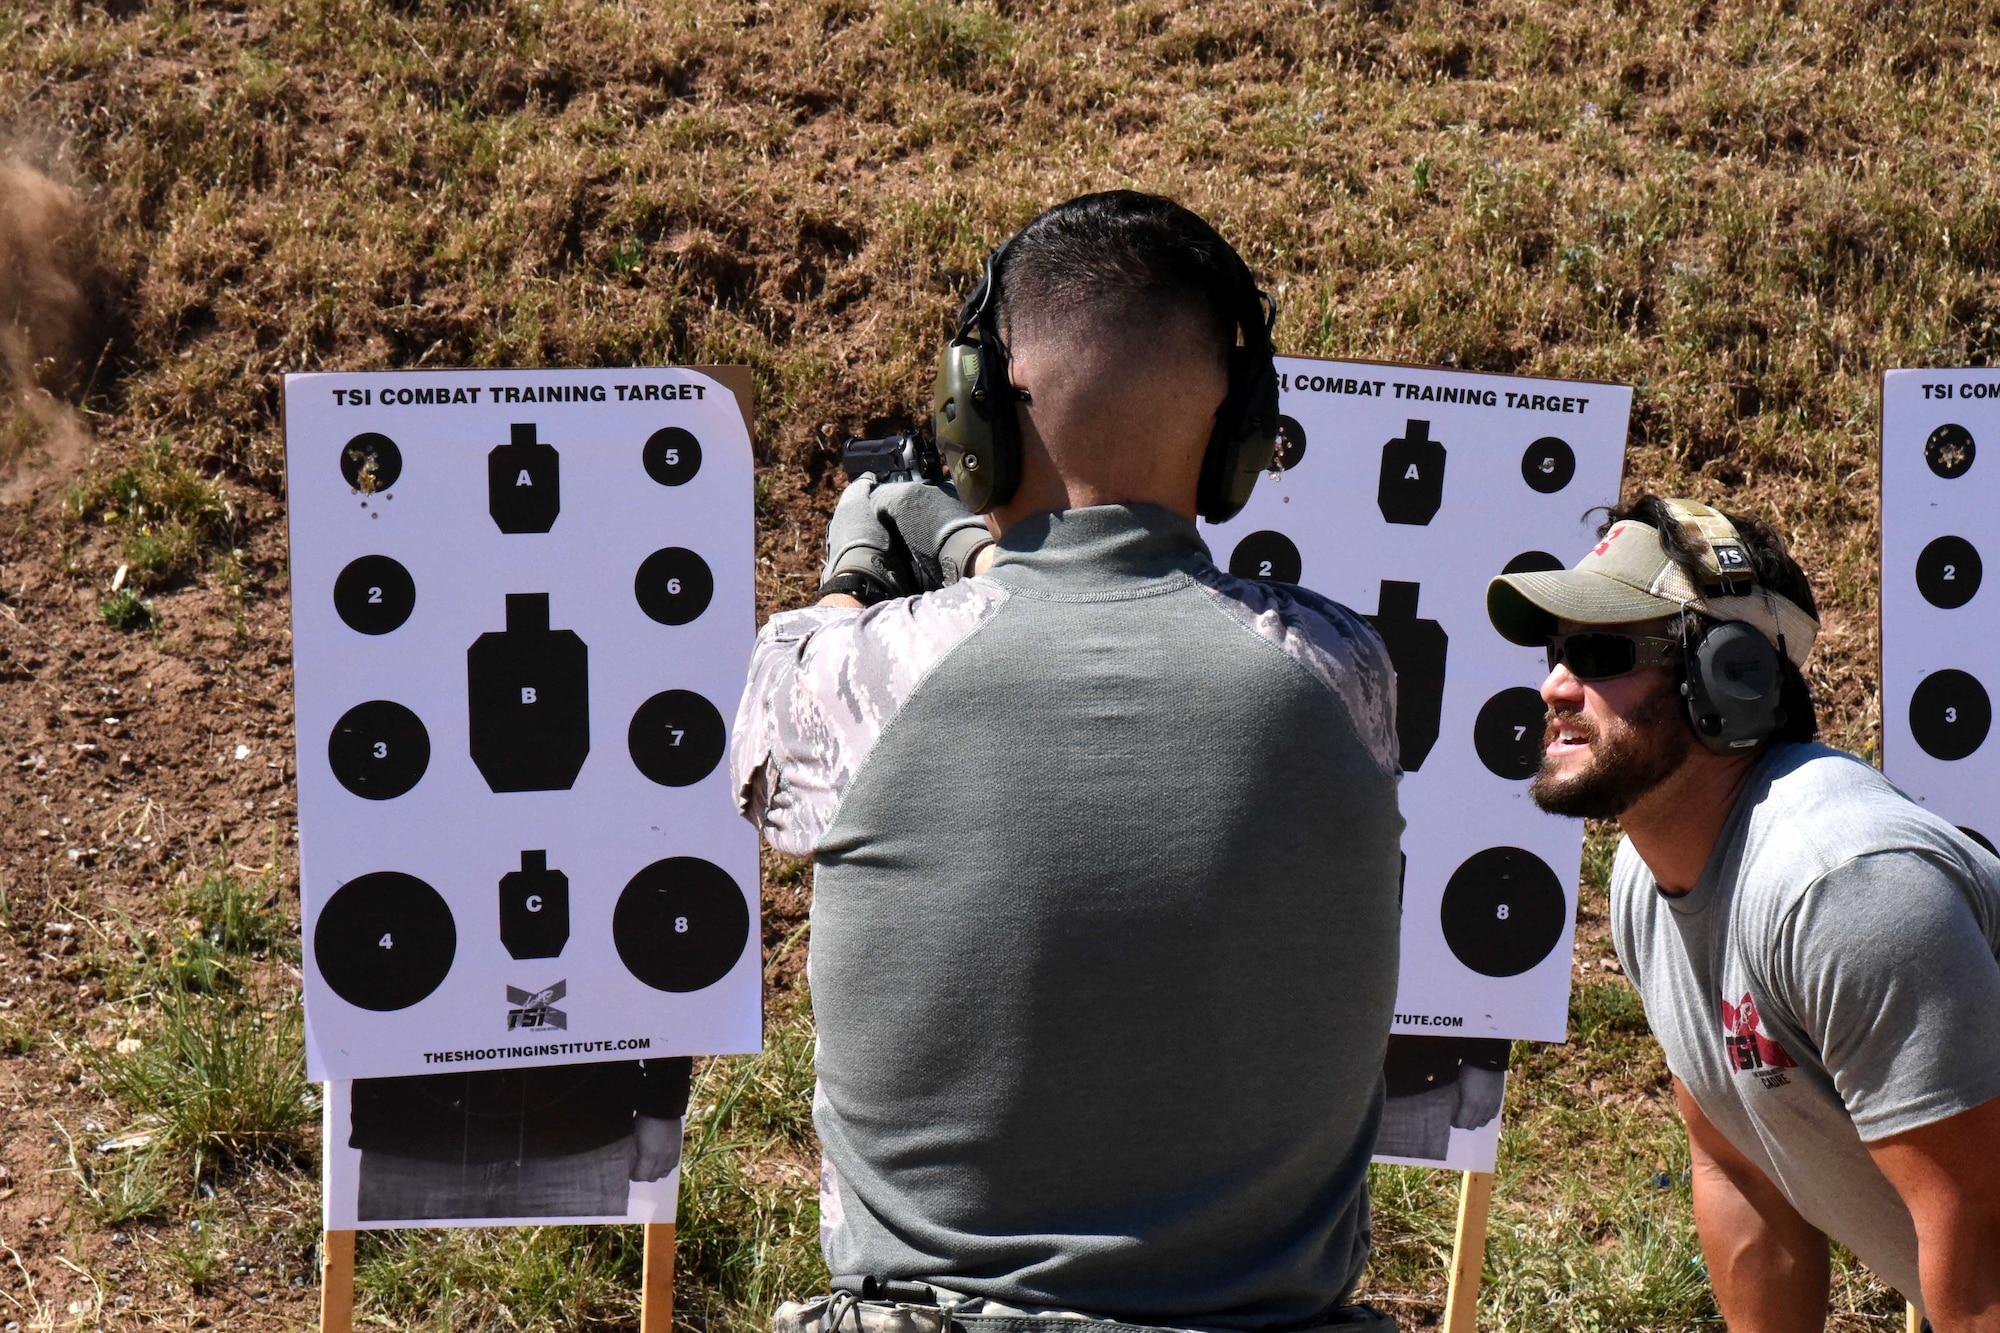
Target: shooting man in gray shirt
[
  {"x": 1104, "y": 932},
  {"x": 1817, "y": 955}
]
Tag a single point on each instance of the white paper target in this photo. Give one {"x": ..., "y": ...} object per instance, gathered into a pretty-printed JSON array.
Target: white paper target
[
  {"x": 521, "y": 607},
  {"x": 1404, "y": 491},
  {"x": 1940, "y": 656}
]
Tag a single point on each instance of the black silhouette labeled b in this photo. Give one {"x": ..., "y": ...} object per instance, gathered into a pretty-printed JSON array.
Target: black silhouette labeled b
[
  {"x": 1417, "y": 651},
  {"x": 529, "y": 700},
  {"x": 534, "y": 908},
  {"x": 1412, "y": 482},
  {"x": 524, "y": 483}
]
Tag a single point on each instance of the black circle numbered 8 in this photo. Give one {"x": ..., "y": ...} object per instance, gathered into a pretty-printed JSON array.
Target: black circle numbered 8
[
  {"x": 672, "y": 456},
  {"x": 1266, "y": 556},
  {"x": 676, "y": 738},
  {"x": 1948, "y": 572},
  {"x": 371, "y": 462},
  {"x": 1950, "y": 714},
  {"x": 1950, "y": 450},
  {"x": 384, "y": 941},
  {"x": 374, "y": 595},
  {"x": 680, "y": 924},
  {"x": 1503, "y": 911},
  {"x": 673, "y": 585},
  {"x": 1507, "y": 734},
  {"x": 379, "y": 750}
]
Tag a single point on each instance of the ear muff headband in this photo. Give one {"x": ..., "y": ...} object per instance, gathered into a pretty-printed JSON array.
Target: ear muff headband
[
  {"x": 1731, "y": 677},
  {"x": 1245, "y": 439}
]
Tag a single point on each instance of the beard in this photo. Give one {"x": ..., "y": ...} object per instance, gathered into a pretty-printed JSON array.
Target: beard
[{"x": 1628, "y": 758}]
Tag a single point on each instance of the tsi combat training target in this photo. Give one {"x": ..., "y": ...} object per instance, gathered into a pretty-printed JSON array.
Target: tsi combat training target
[
  {"x": 522, "y": 602},
  {"x": 1401, "y": 492}
]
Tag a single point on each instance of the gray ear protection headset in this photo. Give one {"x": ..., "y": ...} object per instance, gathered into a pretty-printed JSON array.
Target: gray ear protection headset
[{"x": 1731, "y": 676}]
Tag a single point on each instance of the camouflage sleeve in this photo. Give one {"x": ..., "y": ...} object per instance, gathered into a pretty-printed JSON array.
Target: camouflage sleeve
[
  {"x": 1334, "y": 644},
  {"x": 823, "y": 683}
]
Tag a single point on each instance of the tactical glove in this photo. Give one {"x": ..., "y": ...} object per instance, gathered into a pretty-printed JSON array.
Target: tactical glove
[
  {"x": 862, "y": 555},
  {"x": 939, "y": 536}
]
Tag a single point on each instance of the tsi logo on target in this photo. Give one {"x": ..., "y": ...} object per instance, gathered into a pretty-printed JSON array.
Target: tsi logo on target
[{"x": 536, "y": 1009}]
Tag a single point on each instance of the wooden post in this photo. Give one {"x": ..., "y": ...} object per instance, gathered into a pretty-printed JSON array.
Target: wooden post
[
  {"x": 1913, "y": 1321},
  {"x": 1468, "y": 1253},
  {"x": 656, "y": 1283},
  {"x": 336, "y": 1282}
]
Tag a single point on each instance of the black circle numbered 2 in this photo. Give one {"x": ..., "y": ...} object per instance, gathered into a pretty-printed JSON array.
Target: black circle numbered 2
[
  {"x": 673, "y": 585},
  {"x": 1548, "y": 465},
  {"x": 1503, "y": 911},
  {"x": 1950, "y": 451},
  {"x": 1266, "y": 556},
  {"x": 379, "y": 750},
  {"x": 1948, "y": 572},
  {"x": 680, "y": 924},
  {"x": 676, "y": 738},
  {"x": 672, "y": 456},
  {"x": 1507, "y": 734},
  {"x": 384, "y": 941},
  {"x": 371, "y": 462},
  {"x": 1291, "y": 449},
  {"x": 374, "y": 595},
  {"x": 1950, "y": 714}
]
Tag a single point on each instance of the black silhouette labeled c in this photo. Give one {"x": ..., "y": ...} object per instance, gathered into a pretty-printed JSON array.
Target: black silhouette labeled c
[{"x": 1417, "y": 650}]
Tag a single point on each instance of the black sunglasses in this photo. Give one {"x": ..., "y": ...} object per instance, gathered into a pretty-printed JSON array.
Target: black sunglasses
[{"x": 1601, "y": 655}]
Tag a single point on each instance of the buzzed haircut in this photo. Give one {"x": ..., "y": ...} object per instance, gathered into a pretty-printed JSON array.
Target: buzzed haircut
[{"x": 1128, "y": 258}]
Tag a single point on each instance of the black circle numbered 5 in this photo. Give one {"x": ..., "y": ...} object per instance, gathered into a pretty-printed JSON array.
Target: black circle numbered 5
[
  {"x": 1948, "y": 572},
  {"x": 1950, "y": 451},
  {"x": 680, "y": 924},
  {"x": 1267, "y": 556},
  {"x": 1950, "y": 714},
  {"x": 1548, "y": 465},
  {"x": 374, "y": 595},
  {"x": 1507, "y": 734},
  {"x": 384, "y": 941},
  {"x": 379, "y": 750},
  {"x": 676, "y": 738},
  {"x": 672, "y": 456},
  {"x": 1503, "y": 911},
  {"x": 673, "y": 585},
  {"x": 371, "y": 462}
]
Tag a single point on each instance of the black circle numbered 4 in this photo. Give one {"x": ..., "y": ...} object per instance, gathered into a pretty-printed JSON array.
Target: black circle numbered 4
[
  {"x": 680, "y": 924},
  {"x": 1266, "y": 556},
  {"x": 1503, "y": 911},
  {"x": 384, "y": 941},
  {"x": 379, "y": 750},
  {"x": 676, "y": 738},
  {"x": 673, "y": 585},
  {"x": 1548, "y": 465},
  {"x": 1507, "y": 734},
  {"x": 1950, "y": 714},
  {"x": 1948, "y": 572},
  {"x": 1950, "y": 451},
  {"x": 371, "y": 462},
  {"x": 672, "y": 456},
  {"x": 1291, "y": 444},
  {"x": 374, "y": 594}
]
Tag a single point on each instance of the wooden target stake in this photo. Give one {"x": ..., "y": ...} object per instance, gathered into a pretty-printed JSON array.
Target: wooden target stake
[
  {"x": 336, "y": 1282},
  {"x": 1468, "y": 1253},
  {"x": 656, "y": 1284}
]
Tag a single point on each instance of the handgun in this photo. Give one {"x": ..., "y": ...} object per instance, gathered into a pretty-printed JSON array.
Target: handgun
[{"x": 905, "y": 457}]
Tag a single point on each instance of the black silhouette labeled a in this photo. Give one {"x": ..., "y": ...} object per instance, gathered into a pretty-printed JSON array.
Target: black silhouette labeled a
[
  {"x": 680, "y": 924},
  {"x": 534, "y": 908},
  {"x": 524, "y": 482},
  {"x": 1507, "y": 734},
  {"x": 1548, "y": 465},
  {"x": 676, "y": 738},
  {"x": 379, "y": 750},
  {"x": 371, "y": 462},
  {"x": 1948, "y": 572},
  {"x": 529, "y": 698},
  {"x": 673, "y": 585},
  {"x": 1417, "y": 651},
  {"x": 1950, "y": 714},
  {"x": 1503, "y": 911},
  {"x": 1268, "y": 556},
  {"x": 1412, "y": 483},
  {"x": 1950, "y": 450},
  {"x": 384, "y": 941},
  {"x": 374, "y": 595}
]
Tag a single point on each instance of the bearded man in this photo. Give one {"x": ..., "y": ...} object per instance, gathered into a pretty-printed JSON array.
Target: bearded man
[{"x": 1818, "y": 956}]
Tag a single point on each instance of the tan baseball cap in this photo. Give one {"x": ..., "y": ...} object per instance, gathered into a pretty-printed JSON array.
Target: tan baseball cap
[{"x": 1628, "y": 578}]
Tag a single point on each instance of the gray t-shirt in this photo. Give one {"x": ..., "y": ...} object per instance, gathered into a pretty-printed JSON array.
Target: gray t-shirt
[{"x": 1831, "y": 980}]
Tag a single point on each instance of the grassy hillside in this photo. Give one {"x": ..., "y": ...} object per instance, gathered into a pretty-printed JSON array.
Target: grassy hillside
[{"x": 1747, "y": 211}]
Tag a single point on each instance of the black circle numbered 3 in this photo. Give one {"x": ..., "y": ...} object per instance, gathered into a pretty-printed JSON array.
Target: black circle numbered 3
[
  {"x": 371, "y": 462},
  {"x": 1948, "y": 572},
  {"x": 680, "y": 924},
  {"x": 1503, "y": 911},
  {"x": 1267, "y": 556},
  {"x": 384, "y": 941},
  {"x": 1950, "y": 450},
  {"x": 673, "y": 585},
  {"x": 1950, "y": 714},
  {"x": 379, "y": 750},
  {"x": 672, "y": 456},
  {"x": 1291, "y": 444},
  {"x": 374, "y": 595},
  {"x": 676, "y": 738},
  {"x": 1548, "y": 465},
  {"x": 1507, "y": 734}
]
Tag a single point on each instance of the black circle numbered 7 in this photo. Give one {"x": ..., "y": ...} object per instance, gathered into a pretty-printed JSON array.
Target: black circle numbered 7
[
  {"x": 371, "y": 462},
  {"x": 379, "y": 750},
  {"x": 1950, "y": 714},
  {"x": 1948, "y": 572},
  {"x": 1266, "y": 556},
  {"x": 1503, "y": 911},
  {"x": 680, "y": 924},
  {"x": 374, "y": 595},
  {"x": 672, "y": 456},
  {"x": 1950, "y": 451},
  {"x": 673, "y": 585},
  {"x": 384, "y": 941},
  {"x": 676, "y": 738},
  {"x": 1507, "y": 734},
  {"x": 1548, "y": 465}
]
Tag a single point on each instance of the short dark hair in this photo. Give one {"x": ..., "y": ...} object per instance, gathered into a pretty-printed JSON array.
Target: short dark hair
[
  {"x": 1134, "y": 257},
  {"x": 1776, "y": 570}
]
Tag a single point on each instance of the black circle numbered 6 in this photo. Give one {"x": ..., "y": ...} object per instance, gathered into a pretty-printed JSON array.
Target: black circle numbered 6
[
  {"x": 673, "y": 585},
  {"x": 1950, "y": 714},
  {"x": 384, "y": 941},
  {"x": 374, "y": 595},
  {"x": 379, "y": 750},
  {"x": 1266, "y": 556},
  {"x": 1548, "y": 465},
  {"x": 1503, "y": 911},
  {"x": 1507, "y": 734},
  {"x": 371, "y": 462},
  {"x": 680, "y": 924},
  {"x": 1948, "y": 572},
  {"x": 676, "y": 738},
  {"x": 672, "y": 456}
]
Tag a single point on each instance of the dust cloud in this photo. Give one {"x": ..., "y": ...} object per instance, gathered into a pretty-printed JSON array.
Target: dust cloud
[{"x": 49, "y": 325}]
